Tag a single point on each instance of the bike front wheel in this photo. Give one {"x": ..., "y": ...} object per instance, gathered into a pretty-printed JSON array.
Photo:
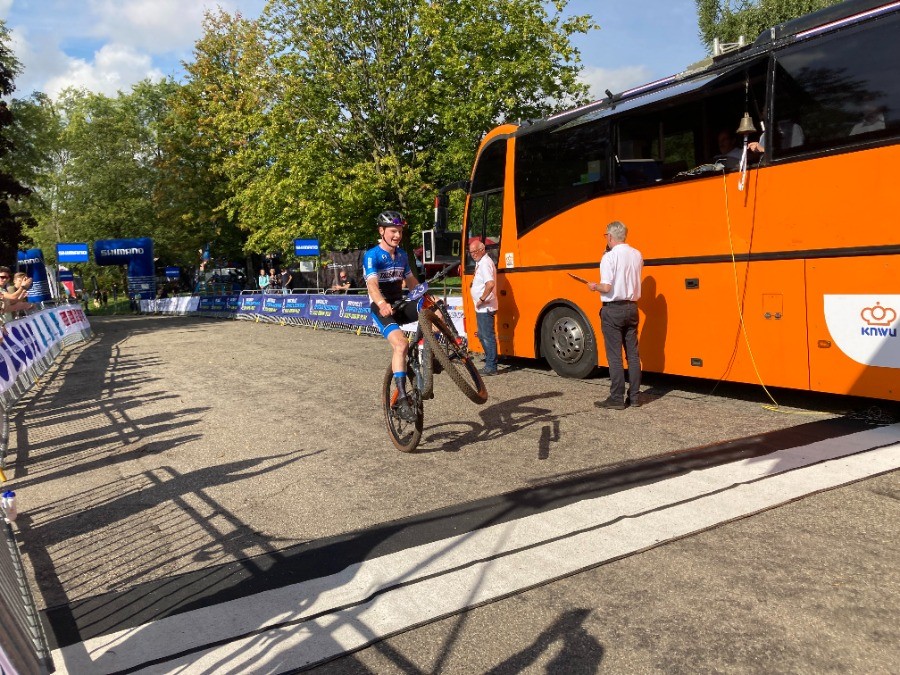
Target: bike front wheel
[
  {"x": 444, "y": 343},
  {"x": 405, "y": 434}
]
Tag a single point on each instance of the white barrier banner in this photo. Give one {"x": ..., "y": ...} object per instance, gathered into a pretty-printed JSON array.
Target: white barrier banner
[{"x": 25, "y": 341}]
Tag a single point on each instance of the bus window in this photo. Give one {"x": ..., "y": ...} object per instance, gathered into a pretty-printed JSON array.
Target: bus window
[
  {"x": 486, "y": 200},
  {"x": 485, "y": 222},
  {"x": 559, "y": 168},
  {"x": 840, "y": 90}
]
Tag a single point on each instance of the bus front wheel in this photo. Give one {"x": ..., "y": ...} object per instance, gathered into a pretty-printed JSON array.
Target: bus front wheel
[{"x": 568, "y": 343}]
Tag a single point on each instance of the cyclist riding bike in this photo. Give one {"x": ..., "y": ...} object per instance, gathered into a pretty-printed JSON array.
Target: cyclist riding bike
[{"x": 386, "y": 269}]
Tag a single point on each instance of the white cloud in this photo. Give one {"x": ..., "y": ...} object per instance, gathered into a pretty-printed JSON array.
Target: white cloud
[
  {"x": 115, "y": 67},
  {"x": 616, "y": 79},
  {"x": 5, "y": 6},
  {"x": 153, "y": 25}
]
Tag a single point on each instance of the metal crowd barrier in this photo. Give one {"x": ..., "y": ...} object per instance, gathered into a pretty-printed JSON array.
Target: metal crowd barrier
[
  {"x": 30, "y": 346},
  {"x": 316, "y": 324},
  {"x": 22, "y": 639},
  {"x": 31, "y": 374}
]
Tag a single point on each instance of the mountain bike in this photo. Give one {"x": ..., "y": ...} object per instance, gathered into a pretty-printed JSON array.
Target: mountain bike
[{"x": 435, "y": 340}]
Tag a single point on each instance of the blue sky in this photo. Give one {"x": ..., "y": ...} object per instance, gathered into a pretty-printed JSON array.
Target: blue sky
[{"x": 108, "y": 45}]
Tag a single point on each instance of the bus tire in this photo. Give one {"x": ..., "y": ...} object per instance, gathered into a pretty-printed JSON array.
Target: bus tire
[{"x": 568, "y": 343}]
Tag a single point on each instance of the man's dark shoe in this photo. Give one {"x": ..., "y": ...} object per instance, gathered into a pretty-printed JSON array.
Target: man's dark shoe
[
  {"x": 487, "y": 373},
  {"x": 405, "y": 409},
  {"x": 633, "y": 402},
  {"x": 610, "y": 404}
]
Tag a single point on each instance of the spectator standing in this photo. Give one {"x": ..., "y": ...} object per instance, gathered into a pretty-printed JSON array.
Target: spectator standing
[
  {"x": 287, "y": 279},
  {"x": 273, "y": 279},
  {"x": 7, "y": 291},
  {"x": 13, "y": 295},
  {"x": 484, "y": 284},
  {"x": 343, "y": 283},
  {"x": 620, "y": 289},
  {"x": 263, "y": 280}
]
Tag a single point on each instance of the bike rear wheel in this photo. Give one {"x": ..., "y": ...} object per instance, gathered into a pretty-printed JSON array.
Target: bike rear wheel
[
  {"x": 405, "y": 435},
  {"x": 444, "y": 343}
]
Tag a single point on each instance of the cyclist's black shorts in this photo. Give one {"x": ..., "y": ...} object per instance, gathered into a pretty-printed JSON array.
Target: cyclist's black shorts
[{"x": 406, "y": 312}]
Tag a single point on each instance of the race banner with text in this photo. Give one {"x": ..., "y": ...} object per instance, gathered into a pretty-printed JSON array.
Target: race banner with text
[
  {"x": 350, "y": 310},
  {"x": 28, "y": 345}
]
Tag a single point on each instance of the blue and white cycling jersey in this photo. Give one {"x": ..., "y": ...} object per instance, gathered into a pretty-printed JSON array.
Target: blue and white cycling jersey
[{"x": 391, "y": 272}]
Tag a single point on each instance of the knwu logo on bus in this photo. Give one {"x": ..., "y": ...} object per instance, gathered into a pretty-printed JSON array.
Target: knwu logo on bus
[
  {"x": 865, "y": 327},
  {"x": 879, "y": 318}
]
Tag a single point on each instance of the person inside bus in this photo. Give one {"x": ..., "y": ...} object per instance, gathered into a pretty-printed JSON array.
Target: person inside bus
[
  {"x": 788, "y": 134},
  {"x": 620, "y": 289},
  {"x": 873, "y": 120},
  {"x": 729, "y": 151}
]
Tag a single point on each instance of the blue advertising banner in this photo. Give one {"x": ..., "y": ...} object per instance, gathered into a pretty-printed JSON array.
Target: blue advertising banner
[
  {"x": 71, "y": 253},
  {"x": 32, "y": 263},
  {"x": 138, "y": 255},
  {"x": 173, "y": 273},
  {"x": 296, "y": 306},
  {"x": 66, "y": 275},
  {"x": 306, "y": 247},
  {"x": 250, "y": 304}
]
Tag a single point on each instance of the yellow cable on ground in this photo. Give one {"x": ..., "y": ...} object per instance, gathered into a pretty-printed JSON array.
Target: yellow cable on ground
[
  {"x": 2, "y": 476},
  {"x": 737, "y": 296}
]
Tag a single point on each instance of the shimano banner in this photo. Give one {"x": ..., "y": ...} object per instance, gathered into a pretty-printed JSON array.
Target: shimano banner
[
  {"x": 138, "y": 255},
  {"x": 32, "y": 263}
]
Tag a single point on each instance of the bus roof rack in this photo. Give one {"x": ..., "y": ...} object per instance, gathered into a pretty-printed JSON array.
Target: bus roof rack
[{"x": 834, "y": 16}]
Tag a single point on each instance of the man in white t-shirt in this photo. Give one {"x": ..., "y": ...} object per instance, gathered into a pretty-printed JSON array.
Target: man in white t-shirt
[
  {"x": 484, "y": 285},
  {"x": 620, "y": 289}
]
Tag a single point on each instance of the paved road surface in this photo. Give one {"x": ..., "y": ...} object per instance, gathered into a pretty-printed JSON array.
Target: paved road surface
[{"x": 213, "y": 496}]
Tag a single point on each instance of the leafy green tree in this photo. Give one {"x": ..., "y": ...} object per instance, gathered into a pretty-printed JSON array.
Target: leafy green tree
[
  {"x": 326, "y": 113},
  {"x": 11, "y": 190},
  {"x": 214, "y": 118},
  {"x": 727, "y": 20}
]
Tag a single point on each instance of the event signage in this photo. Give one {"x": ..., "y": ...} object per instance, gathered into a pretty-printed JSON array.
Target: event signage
[
  {"x": 32, "y": 263},
  {"x": 352, "y": 311},
  {"x": 71, "y": 253},
  {"x": 173, "y": 273},
  {"x": 306, "y": 247},
  {"x": 138, "y": 255},
  {"x": 27, "y": 340}
]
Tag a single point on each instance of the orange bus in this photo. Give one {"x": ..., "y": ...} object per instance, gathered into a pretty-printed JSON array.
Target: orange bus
[{"x": 784, "y": 270}]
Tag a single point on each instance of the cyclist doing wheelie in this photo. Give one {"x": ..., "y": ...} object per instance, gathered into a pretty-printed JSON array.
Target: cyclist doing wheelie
[{"x": 386, "y": 269}]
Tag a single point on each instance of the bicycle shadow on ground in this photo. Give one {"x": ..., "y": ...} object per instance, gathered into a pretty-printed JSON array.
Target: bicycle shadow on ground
[{"x": 501, "y": 419}]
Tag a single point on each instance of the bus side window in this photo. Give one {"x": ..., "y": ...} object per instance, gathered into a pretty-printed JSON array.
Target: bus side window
[{"x": 843, "y": 89}]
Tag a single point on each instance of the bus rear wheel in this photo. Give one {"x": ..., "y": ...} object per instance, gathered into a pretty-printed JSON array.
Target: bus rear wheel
[{"x": 568, "y": 343}]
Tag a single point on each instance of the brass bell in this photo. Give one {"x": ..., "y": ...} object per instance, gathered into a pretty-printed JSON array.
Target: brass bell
[{"x": 746, "y": 126}]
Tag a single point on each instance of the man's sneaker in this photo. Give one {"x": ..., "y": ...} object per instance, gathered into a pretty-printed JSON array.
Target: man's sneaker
[
  {"x": 633, "y": 402},
  {"x": 405, "y": 409},
  {"x": 610, "y": 404},
  {"x": 488, "y": 372}
]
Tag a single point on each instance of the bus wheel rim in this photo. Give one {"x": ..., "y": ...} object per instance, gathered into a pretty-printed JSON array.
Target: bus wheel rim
[{"x": 568, "y": 340}]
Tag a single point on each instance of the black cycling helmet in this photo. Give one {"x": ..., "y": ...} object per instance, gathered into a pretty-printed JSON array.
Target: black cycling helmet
[{"x": 390, "y": 219}]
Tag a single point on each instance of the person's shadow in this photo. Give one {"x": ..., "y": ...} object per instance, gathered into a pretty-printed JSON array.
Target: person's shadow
[{"x": 652, "y": 339}]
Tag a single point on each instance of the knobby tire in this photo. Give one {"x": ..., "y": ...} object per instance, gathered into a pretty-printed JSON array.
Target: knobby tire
[
  {"x": 453, "y": 357},
  {"x": 404, "y": 435}
]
